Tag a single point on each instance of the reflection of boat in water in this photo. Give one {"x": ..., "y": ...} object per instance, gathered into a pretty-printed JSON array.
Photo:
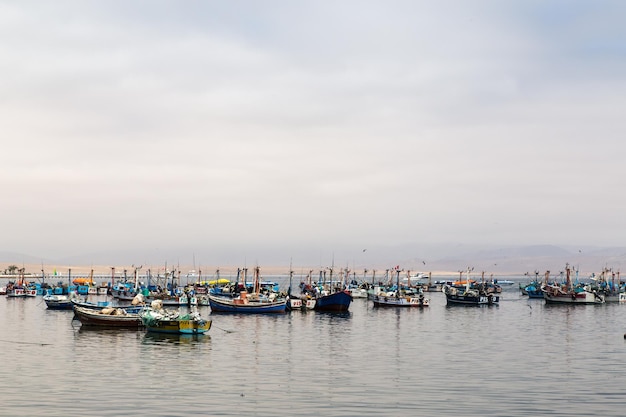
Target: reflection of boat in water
[{"x": 154, "y": 338}]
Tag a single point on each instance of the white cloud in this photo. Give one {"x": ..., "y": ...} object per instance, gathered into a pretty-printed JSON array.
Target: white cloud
[{"x": 310, "y": 124}]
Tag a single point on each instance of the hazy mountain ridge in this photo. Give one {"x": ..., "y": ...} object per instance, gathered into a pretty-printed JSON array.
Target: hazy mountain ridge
[{"x": 515, "y": 260}]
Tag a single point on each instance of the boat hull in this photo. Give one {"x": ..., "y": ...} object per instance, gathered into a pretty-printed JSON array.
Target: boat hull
[
  {"x": 103, "y": 305},
  {"x": 59, "y": 305},
  {"x": 339, "y": 301},
  {"x": 472, "y": 300},
  {"x": 95, "y": 317},
  {"x": 584, "y": 297},
  {"x": 180, "y": 326},
  {"x": 385, "y": 301},
  {"x": 230, "y": 305}
]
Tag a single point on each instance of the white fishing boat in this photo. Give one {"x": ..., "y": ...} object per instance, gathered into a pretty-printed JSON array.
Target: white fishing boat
[
  {"x": 570, "y": 294},
  {"x": 400, "y": 297}
]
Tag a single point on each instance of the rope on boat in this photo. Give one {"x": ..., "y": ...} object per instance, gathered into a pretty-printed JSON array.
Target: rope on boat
[
  {"x": 25, "y": 343},
  {"x": 227, "y": 331}
]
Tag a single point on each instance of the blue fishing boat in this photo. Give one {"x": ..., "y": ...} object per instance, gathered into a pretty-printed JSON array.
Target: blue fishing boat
[
  {"x": 60, "y": 302},
  {"x": 246, "y": 305},
  {"x": 332, "y": 296},
  {"x": 249, "y": 303},
  {"x": 337, "y": 301},
  {"x": 533, "y": 290}
]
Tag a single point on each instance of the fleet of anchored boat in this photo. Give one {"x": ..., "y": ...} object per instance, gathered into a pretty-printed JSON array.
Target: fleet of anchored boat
[{"x": 155, "y": 308}]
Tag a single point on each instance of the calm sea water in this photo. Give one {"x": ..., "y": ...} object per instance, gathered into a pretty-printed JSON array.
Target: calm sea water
[{"x": 521, "y": 358}]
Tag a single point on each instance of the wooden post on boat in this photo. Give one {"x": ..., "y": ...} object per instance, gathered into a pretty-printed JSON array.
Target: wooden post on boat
[
  {"x": 256, "y": 285},
  {"x": 136, "y": 286},
  {"x": 330, "y": 278}
]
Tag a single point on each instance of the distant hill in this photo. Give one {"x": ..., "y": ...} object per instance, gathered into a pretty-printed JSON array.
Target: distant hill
[{"x": 513, "y": 260}]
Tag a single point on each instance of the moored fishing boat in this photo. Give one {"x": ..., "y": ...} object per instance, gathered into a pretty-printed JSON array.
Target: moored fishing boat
[
  {"x": 533, "y": 290},
  {"x": 337, "y": 301},
  {"x": 331, "y": 297},
  {"x": 249, "y": 303},
  {"x": 21, "y": 288},
  {"x": 158, "y": 320},
  {"x": 570, "y": 294},
  {"x": 107, "y": 317},
  {"x": 400, "y": 297},
  {"x": 101, "y": 305},
  {"x": 611, "y": 290},
  {"x": 60, "y": 301},
  {"x": 467, "y": 296},
  {"x": 246, "y": 305}
]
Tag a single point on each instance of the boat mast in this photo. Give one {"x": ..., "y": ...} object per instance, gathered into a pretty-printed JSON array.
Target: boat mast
[
  {"x": 257, "y": 283},
  {"x": 397, "y": 282},
  {"x": 290, "y": 278}
]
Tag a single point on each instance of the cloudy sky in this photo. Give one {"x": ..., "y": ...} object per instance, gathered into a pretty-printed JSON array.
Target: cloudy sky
[{"x": 232, "y": 130}]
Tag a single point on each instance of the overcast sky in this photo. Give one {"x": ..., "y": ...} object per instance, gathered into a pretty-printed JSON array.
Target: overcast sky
[{"x": 243, "y": 130}]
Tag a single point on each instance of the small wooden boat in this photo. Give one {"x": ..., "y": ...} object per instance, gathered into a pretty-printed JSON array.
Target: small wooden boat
[
  {"x": 60, "y": 301},
  {"x": 107, "y": 317},
  {"x": 247, "y": 305},
  {"x": 162, "y": 321},
  {"x": 101, "y": 305}
]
